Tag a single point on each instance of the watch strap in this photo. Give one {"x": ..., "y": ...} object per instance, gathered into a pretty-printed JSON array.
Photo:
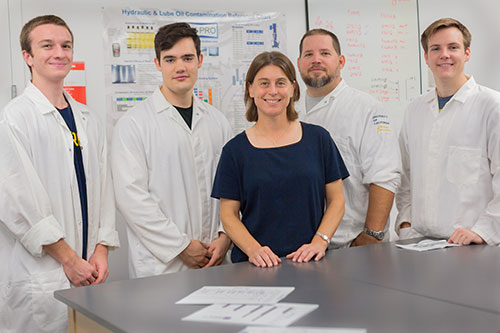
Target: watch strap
[
  {"x": 379, "y": 235},
  {"x": 324, "y": 237}
]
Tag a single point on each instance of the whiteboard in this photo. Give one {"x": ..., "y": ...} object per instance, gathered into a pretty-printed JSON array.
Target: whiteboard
[{"x": 380, "y": 41}]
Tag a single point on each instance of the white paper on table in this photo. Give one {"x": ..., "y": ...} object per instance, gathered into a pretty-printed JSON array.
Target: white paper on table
[
  {"x": 299, "y": 329},
  {"x": 427, "y": 245},
  {"x": 280, "y": 314},
  {"x": 236, "y": 295}
]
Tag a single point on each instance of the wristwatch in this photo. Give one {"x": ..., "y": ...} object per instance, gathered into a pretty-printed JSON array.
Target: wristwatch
[
  {"x": 379, "y": 235},
  {"x": 324, "y": 237}
]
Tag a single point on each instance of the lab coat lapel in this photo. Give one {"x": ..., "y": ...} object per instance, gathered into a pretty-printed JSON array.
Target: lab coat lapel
[
  {"x": 162, "y": 105},
  {"x": 45, "y": 107},
  {"x": 199, "y": 109}
]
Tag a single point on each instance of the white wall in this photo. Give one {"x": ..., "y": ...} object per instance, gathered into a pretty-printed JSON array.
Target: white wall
[
  {"x": 5, "y": 67},
  {"x": 481, "y": 18},
  {"x": 85, "y": 19}
]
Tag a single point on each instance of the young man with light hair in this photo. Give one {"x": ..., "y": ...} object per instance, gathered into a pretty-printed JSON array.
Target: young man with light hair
[
  {"x": 362, "y": 132},
  {"x": 450, "y": 147},
  {"x": 57, "y": 207},
  {"x": 164, "y": 155}
]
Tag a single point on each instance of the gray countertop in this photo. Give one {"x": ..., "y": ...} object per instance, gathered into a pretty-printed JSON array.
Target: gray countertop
[{"x": 378, "y": 287}]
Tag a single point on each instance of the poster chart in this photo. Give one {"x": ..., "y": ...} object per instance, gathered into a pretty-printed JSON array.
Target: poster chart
[
  {"x": 229, "y": 42},
  {"x": 380, "y": 41}
]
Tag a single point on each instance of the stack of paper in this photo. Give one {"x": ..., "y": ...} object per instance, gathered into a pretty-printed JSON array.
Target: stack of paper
[{"x": 246, "y": 306}]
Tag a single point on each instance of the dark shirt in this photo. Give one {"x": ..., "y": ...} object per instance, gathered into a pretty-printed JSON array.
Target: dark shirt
[
  {"x": 186, "y": 114},
  {"x": 442, "y": 101},
  {"x": 68, "y": 117},
  {"x": 281, "y": 190}
]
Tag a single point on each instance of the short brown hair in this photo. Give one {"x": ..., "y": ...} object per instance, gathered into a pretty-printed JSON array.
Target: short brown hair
[
  {"x": 264, "y": 59},
  {"x": 444, "y": 23},
  {"x": 24, "y": 37},
  {"x": 335, "y": 40},
  {"x": 168, "y": 35}
]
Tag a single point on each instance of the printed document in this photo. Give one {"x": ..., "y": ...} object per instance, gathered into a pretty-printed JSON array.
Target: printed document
[
  {"x": 236, "y": 295},
  {"x": 280, "y": 314}
]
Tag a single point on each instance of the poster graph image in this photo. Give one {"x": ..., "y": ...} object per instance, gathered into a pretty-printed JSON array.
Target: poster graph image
[{"x": 229, "y": 42}]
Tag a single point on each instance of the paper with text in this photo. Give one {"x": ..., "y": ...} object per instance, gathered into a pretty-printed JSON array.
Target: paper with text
[
  {"x": 236, "y": 295},
  {"x": 281, "y": 314}
]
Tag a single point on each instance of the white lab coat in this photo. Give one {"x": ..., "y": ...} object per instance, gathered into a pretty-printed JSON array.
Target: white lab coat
[
  {"x": 362, "y": 132},
  {"x": 163, "y": 174},
  {"x": 40, "y": 204},
  {"x": 451, "y": 164}
]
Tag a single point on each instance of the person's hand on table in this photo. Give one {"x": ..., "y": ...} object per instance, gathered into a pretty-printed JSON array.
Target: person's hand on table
[
  {"x": 316, "y": 249},
  {"x": 263, "y": 256},
  {"x": 465, "y": 237}
]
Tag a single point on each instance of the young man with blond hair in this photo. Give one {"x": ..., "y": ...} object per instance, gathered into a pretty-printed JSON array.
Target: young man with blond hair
[
  {"x": 450, "y": 147},
  {"x": 57, "y": 206}
]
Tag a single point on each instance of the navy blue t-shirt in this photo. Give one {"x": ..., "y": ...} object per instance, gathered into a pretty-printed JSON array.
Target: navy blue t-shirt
[
  {"x": 442, "y": 101},
  {"x": 281, "y": 190},
  {"x": 68, "y": 117}
]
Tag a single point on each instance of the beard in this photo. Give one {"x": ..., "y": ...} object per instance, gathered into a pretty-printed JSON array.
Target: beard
[{"x": 317, "y": 82}]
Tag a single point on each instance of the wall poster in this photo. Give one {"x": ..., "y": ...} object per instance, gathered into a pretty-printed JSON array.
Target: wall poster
[{"x": 229, "y": 42}]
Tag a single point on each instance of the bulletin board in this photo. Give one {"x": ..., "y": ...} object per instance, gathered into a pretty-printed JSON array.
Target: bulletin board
[{"x": 380, "y": 40}]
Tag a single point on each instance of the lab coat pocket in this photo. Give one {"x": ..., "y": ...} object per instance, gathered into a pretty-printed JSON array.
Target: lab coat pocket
[
  {"x": 47, "y": 311},
  {"x": 463, "y": 165}
]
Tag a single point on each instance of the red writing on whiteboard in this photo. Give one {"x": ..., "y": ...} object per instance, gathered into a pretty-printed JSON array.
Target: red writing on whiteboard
[
  {"x": 353, "y": 29},
  {"x": 353, "y": 58},
  {"x": 354, "y": 42},
  {"x": 396, "y": 2},
  {"x": 327, "y": 24},
  {"x": 389, "y": 59},
  {"x": 352, "y": 12},
  {"x": 389, "y": 41},
  {"x": 388, "y": 15}
]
